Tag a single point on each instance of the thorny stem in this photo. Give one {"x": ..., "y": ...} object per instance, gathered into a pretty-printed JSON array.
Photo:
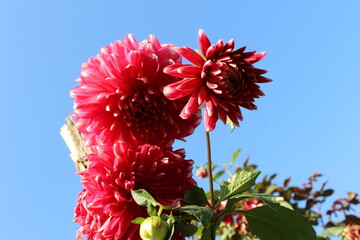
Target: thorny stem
[{"x": 208, "y": 146}]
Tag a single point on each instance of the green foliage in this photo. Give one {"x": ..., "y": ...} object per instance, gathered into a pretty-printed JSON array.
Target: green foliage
[
  {"x": 240, "y": 182},
  {"x": 289, "y": 215},
  {"x": 332, "y": 231},
  {"x": 230, "y": 123},
  {"x": 143, "y": 198},
  {"x": 138, "y": 220},
  {"x": 152, "y": 211},
  {"x": 269, "y": 200},
  {"x": 218, "y": 175},
  {"x": 186, "y": 228},
  {"x": 202, "y": 214},
  {"x": 196, "y": 196},
  {"x": 235, "y": 156},
  {"x": 283, "y": 224}
]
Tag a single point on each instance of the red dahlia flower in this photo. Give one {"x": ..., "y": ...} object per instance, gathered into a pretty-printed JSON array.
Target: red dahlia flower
[
  {"x": 105, "y": 207},
  {"x": 221, "y": 77},
  {"x": 120, "y": 96}
]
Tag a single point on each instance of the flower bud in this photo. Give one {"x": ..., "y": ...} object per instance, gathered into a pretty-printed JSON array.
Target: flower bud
[
  {"x": 154, "y": 228},
  {"x": 202, "y": 173}
]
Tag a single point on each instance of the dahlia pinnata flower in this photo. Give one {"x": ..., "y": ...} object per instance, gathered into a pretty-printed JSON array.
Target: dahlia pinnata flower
[
  {"x": 120, "y": 96},
  {"x": 221, "y": 77},
  {"x": 105, "y": 207}
]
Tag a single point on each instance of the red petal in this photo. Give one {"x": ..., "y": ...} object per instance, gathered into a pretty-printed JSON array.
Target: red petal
[
  {"x": 190, "y": 55},
  {"x": 261, "y": 79},
  {"x": 210, "y": 108},
  {"x": 172, "y": 70},
  {"x": 210, "y": 52},
  {"x": 189, "y": 84},
  {"x": 190, "y": 71},
  {"x": 256, "y": 57},
  {"x": 181, "y": 88},
  {"x": 130, "y": 41},
  {"x": 210, "y": 121},
  {"x": 202, "y": 95},
  {"x": 204, "y": 42},
  {"x": 191, "y": 107}
]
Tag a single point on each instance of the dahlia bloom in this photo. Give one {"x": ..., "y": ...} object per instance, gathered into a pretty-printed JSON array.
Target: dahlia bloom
[
  {"x": 120, "y": 96},
  {"x": 105, "y": 207},
  {"x": 221, "y": 77}
]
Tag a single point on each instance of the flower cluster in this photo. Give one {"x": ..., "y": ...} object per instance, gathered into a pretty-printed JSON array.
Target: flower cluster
[{"x": 133, "y": 101}]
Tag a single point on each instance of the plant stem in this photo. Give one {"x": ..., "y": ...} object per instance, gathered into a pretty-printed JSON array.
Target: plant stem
[{"x": 208, "y": 146}]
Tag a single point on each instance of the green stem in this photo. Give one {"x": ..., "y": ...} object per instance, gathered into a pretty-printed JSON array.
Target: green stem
[
  {"x": 160, "y": 210},
  {"x": 208, "y": 146}
]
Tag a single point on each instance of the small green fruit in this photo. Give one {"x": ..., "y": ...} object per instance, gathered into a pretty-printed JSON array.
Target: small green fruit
[{"x": 154, "y": 228}]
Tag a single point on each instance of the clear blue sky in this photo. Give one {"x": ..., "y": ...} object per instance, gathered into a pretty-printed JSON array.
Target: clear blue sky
[{"x": 308, "y": 121}]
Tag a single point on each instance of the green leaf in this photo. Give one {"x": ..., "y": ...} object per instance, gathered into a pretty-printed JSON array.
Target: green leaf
[
  {"x": 235, "y": 156},
  {"x": 199, "y": 231},
  {"x": 230, "y": 123},
  {"x": 151, "y": 209},
  {"x": 202, "y": 214},
  {"x": 206, "y": 233},
  {"x": 143, "y": 198},
  {"x": 187, "y": 229},
  {"x": 219, "y": 174},
  {"x": 286, "y": 205},
  {"x": 332, "y": 231},
  {"x": 171, "y": 232},
  {"x": 269, "y": 200},
  {"x": 240, "y": 182},
  {"x": 138, "y": 220},
  {"x": 196, "y": 196},
  {"x": 270, "y": 189},
  {"x": 284, "y": 224}
]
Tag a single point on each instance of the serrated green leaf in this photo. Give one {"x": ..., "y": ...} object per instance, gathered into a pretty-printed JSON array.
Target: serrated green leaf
[
  {"x": 332, "y": 231},
  {"x": 240, "y": 182},
  {"x": 143, "y": 198},
  {"x": 235, "y": 156},
  {"x": 187, "y": 229},
  {"x": 219, "y": 174},
  {"x": 284, "y": 224},
  {"x": 138, "y": 220},
  {"x": 202, "y": 214},
  {"x": 196, "y": 196}
]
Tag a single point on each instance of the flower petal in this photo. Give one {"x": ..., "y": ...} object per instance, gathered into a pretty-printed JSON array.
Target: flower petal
[
  {"x": 204, "y": 42},
  {"x": 191, "y": 107},
  {"x": 173, "y": 70},
  {"x": 256, "y": 57},
  {"x": 182, "y": 88},
  {"x": 190, "y": 55},
  {"x": 210, "y": 121}
]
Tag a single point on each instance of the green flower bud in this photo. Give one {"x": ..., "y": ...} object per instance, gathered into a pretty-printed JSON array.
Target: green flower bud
[{"x": 154, "y": 228}]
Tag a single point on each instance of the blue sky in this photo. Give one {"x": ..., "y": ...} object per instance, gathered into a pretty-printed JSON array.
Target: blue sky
[{"x": 308, "y": 121}]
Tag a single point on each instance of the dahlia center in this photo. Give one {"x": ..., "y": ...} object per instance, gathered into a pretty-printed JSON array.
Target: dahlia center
[
  {"x": 234, "y": 83},
  {"x": 141, "y": 112}
]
